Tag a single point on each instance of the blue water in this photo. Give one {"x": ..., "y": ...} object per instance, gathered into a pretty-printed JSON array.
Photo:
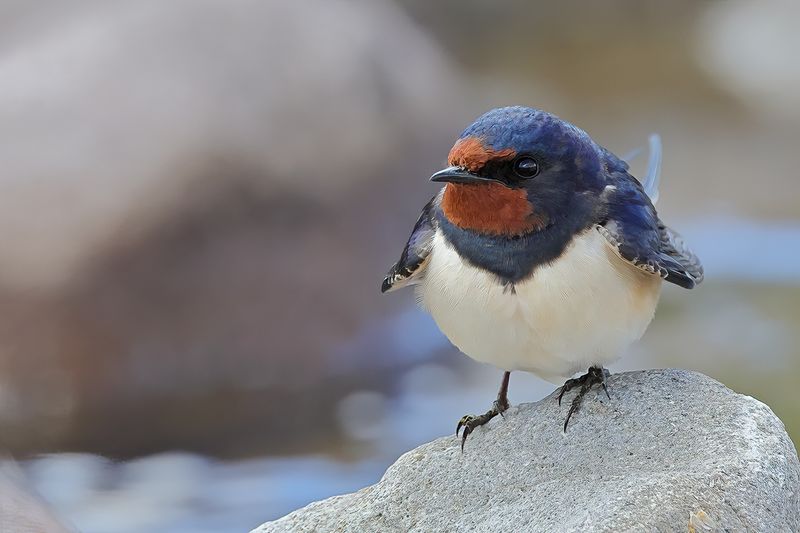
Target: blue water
[{"x": 734, "y": 249}]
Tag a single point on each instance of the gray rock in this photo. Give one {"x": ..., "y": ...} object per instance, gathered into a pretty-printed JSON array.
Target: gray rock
[{"x": 672, "y": 450}]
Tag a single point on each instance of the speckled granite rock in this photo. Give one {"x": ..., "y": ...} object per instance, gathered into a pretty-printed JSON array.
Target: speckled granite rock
[{"x": 672, "y": 451}]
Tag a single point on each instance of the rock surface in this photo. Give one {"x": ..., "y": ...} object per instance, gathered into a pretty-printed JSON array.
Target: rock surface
[{"x": 672, "y": 450}]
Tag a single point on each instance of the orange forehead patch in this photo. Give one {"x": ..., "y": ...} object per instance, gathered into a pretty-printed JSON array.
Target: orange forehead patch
[
  {"x": 470, "y": 153},
  {"x": 491, "y": 208}
]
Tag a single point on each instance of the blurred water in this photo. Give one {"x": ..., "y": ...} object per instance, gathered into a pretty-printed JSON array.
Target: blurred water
[
  {"x": 181, "y": 492},
  {"x": 747, "y": 250}
]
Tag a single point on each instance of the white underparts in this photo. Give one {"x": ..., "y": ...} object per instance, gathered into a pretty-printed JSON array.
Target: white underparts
[{"x": 585, "y": 308}]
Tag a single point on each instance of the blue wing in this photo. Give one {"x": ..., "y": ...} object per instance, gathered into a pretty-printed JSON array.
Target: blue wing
[
  {"x": 411, "y": 264},
  {"x": 632, "y": 227}
]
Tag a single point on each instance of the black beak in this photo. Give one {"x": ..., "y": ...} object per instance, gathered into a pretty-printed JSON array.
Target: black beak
[{"x": 458, "y": 175}]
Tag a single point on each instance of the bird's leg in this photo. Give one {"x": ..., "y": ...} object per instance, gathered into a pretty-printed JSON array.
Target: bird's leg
[
  {"x": 470, "y": 422},
  {"x": 595, "y": 375}
]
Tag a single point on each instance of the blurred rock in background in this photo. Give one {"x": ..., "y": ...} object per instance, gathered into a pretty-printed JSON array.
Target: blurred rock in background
[{"x": 193, "y": 208}]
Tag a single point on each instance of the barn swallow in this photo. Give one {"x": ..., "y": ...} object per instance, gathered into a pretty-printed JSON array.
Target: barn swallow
[{"x": 541, "y": 253}]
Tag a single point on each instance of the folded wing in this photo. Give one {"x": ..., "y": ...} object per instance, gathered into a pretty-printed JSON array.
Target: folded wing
[
  {"x": 411, "y": 265},
  {"x": 637, "y": 235}
]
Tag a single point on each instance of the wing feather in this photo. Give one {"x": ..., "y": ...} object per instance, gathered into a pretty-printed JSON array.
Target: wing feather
[
  {"x": 634, "y": 231},
  {"x": 411, "y": 265},
  {"x": 673, "y": 245}
]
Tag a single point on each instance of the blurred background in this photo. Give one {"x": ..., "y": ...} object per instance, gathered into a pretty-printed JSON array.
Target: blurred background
[{"x": 199, "y": 200}]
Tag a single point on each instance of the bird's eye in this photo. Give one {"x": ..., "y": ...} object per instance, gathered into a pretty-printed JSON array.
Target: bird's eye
[{"x": 526, "y": 167}]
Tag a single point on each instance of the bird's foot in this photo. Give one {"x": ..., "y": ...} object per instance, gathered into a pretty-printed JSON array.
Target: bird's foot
[
  {"x": 470, "y": 422},
  {"x": 595, "y": 375}
]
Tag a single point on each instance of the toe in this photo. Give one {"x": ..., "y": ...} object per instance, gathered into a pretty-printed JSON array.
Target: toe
[
  {"x": 467, "y": 432},
  {"x": 464, "y": 422}
]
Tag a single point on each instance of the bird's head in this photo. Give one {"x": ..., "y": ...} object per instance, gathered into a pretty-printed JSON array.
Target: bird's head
[{"x": 516, "y": 170}]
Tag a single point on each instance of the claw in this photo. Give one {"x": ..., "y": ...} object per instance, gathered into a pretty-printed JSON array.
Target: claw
[
  {"x": 573, "y": 408},
  {"x": 594, "y": 376},
  {"x": 568, "y": 386},
  {"x": 466, "y": 419},
  {"x": 470, "y": 422},
  {"x": 467, "y": 422},
  {"x": 606, "y": 374},
  {"x": 467, "y": 432}
]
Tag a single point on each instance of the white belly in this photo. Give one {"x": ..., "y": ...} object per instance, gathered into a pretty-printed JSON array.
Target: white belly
[{"x": 582, "y": 310}]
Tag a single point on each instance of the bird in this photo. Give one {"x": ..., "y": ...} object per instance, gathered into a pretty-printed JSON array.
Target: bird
[{"x": 541, "y": 253}]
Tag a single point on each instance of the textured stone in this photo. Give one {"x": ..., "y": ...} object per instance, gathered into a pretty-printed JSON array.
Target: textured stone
[{"x": 672, "y": 450}]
